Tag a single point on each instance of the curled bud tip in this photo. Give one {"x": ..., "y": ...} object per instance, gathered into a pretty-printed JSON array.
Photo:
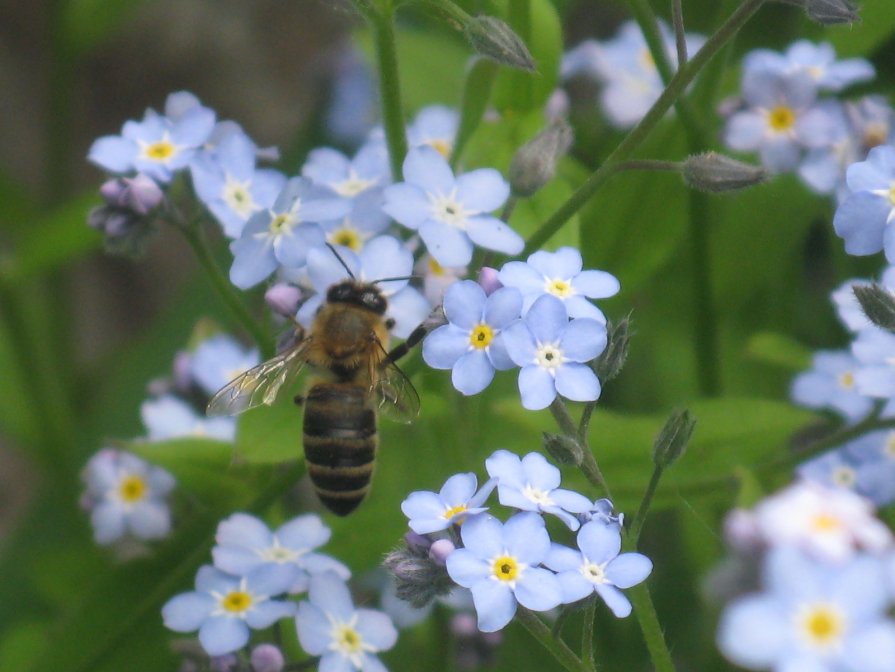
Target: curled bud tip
[
  {"x": 610, "y": 362},
  {"x": 440, "y": 550},
  {"x": 716, "y": 173},
  {"x": 673, "y": 439},
  {"x": 488, "y": 280},
  {"x": 494, "y": 39},
  {"x": 563, "y": 449}
]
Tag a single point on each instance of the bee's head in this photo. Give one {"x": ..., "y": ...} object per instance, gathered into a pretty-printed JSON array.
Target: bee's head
[{"x": 361, "y": 294}]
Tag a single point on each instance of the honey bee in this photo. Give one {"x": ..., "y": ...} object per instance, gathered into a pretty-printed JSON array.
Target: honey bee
[{"x": 347, "y": 342}]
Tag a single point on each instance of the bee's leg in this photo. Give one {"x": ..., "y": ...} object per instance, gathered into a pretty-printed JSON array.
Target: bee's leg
[{"x": 435, "y": 319}]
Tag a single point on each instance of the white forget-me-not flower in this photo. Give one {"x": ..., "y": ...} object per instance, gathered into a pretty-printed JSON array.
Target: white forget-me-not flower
[
  {"x": 451, "y": 214},
  {"x": 500, "y": 564},
  {"x": 471, "y": 344},
  {"x": 553, "y": 352}
]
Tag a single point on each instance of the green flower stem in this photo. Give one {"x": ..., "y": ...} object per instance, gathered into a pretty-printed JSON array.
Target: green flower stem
[
  {"x": 676, "y": 87},
  {"x": 646, "y": 616},
  {"x": 588, "y": 466},
  {"x": 555, "y": 646},
  {"x": 705, "y": 323},
  {"x": 383, "y": 24},
  {"x": 195, "y": 236},
  {"x": 680, "y": 39},
  {"x": 637, "y": 524},
  {"x": 650, "y": 164},
  {"x": 587, "y": 633}
]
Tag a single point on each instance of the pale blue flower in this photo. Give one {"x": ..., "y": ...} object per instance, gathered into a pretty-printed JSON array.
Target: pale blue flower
[
  {"x": 559, "y": 274},
  {"x": 500, "y": 564},
  {"x": 553, "y": 352},
  {"x": 158, "y": 145},
  {"x": 126, "y": 496},
  {"x": 436, "y": 126},
  {"x": 863, "y": 219},
  {"x": 457, "y": 500},
  {"x": 451, "y": 214},
  {"x": 283, "y": 234},
  {"x": 345, "y": 638},
  {"x": 471, "y": 344},
  {"x": 816, "y": 60},
  {"x": 245, "y": 543},
  {"x": 532, "y": 484},
  {"x": 874, "y": 349},
  {"x": 812, "y": 616},
  {"x": 846, "y": 303},
  {"x": 223, "y": 607},
  {"x": 349, "y": 178},
  {"x": 353, "y": 106},
  {"x": 383, "y": 257},
  {"x": 168, "y": 417},
  {"x": 231, "y": 187},
  {"x": 831, "y": 384},
  {"x": 218, "y": 360},
  {"x": 781, "y": 118},
  {"x": 365, "y": 221},
  {"x": 598, "y": 567}
]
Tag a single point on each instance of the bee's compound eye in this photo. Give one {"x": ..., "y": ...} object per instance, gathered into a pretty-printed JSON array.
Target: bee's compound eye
[
  {"x": 373, "y": 300},
  {"x": 339, "y": 293}
]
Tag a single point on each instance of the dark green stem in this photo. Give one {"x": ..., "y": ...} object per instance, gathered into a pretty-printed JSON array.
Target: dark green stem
[
  {"x": 588, "y": 466},
  {"x": 650, "y": 164},
  {"x": 383, "y": 24},
  {"x": 558, "y": 648},
  {"x": 676, "y": 87},
  {"x": 646, "y": 616},
  {"x": 195, "y": 236},
  {"x": 587, "y": 633},
  {"x": 680, "y": 33},
  {"x": 637, "y": 524},
  {"x": 705, "y": 325}
]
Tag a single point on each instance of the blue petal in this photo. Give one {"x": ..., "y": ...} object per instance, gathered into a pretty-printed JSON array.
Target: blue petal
[
  {"x": 574, "y": 586},
  {"x": 583, "y": 339},
  {"x": 464, "y": 304},
  {"x": 504, "y": 306},
  {"x": 577, "y": 382},
  {"x": 465, "y": 567},
  {"x": 507, "y": 468},
  {"x": 861, "y": 221},
  {"x": 253, "y": 261},
  {"x": 186, "y": 612},
  {"x": 599, "y": 543},
  {"x": 525, "y": 537},
  {"x": 539, "y": 589},
  {"x": 547, "y": 319},
  {"x": 614, "y": 598},
  {"x": 267, "y": 613},
  {"x": 564, "y": 263},
  {"x": 448, "y": 245},
  {"x": 754, "y": 632},
  {"x": 113, "y": 153},
  {"x": 150, "y": 520},
  {"x": 108, "y": 521},
  {"x": 242, "y": 529},
  {"x": 427, "y": 168},
  {"x": 494, "y": 604},
  {"x": 522, "y": 275},
  {"x": 458, "y": 489},
  {"x": 493, "y": 234},
  {"x": 562, "y": 558},
  {"x": 444, "y": 346},
  {"x": 376, "y": 629},
  {"x": 629, "y": 569},
  {"x": 331, "y": 595},
  {"x": 305, "y": 531},
  {"x": 539, "y": 473},
  {"x": 223, "y": 634},
  {"x": 519, "y": 343},
  {"x": 482, "y": 190},
  {"x": 313, "y": 629},
  {"x": 596, "y": 284},
  {"x": 536, "y": 387},
  {"x": 482, "y": 536},
  {"x": 406, "y": 204}
]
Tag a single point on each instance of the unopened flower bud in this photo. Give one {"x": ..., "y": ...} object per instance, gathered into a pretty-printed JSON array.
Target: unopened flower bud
[
  {"x": 716, "y": 173},
  {"x": 125, "y": 232},
  {"x": 610, "y": 362},
  {"x": 440, "y": 550},
  {"x": 534, "y": 164},
  {"x": 557, "y": 106},
  {"x": 139, "y": 194},
  {"x": 831, "y": 12},
  {"x": 673, "y": 439},
  {"x": 267, "y": 658},
  {"x": 488, "y": 280},
  {"x": 418, "y": 578},
  {"x": 563, "y": 449},
  {"x": 283, "y": 299},
  {"x": 494, "y": 39},
  {"x": 878, "y": 305},
  {"x": 226, "y": 663}
]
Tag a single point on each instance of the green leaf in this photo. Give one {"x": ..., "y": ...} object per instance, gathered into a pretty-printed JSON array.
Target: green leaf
[
  {"x": 876, "y": 27},
  {"x": 779, "y": 350},
  {"x": 476, "y": 94},
  {"x": 271, "y": 434}
]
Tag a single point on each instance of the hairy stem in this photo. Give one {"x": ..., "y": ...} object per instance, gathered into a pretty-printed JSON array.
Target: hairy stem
[{"x": 558, "y": 648}]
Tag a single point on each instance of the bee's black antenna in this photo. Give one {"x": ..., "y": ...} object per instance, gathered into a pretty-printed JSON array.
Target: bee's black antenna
[
  {"x": 403, "y": 277},
  {"x": 341, "y": 261}
]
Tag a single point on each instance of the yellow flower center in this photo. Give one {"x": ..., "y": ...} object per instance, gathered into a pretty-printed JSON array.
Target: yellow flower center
[
  {"x": 236, "y": 601},
  {"x": 160, "y": 151},
  {"x": 889, "y": 447},
  {"x": 347, "y": 639},
  {"x": 824, "y": 522},
  {"x": 453, "y": 511},
  {"x": 444, "y": 147},
  {"x": 347, "y": 237},
  {"x": 506, "y": 568},
  {"x": 481, "y": 336},
  {"x": 781, "y": 118},
  {"x": 875, "y": 134},
  {"x": 133, "y": 489},
  {"x": 560, "y": 288},
  {"x": 847, "y": 380},
  {"x": 435, "y": 268},
  {"x": 281, "y": 223},
  {"x": 352, "y": 185},
  {"x": 821, "y": 625},
  {"x": 892, "y": 194}
]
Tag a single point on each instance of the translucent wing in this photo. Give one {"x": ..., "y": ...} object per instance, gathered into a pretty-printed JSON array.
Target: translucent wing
[
  {"x": 397, "y": 398},
  {"x": 259, "y": 385}
]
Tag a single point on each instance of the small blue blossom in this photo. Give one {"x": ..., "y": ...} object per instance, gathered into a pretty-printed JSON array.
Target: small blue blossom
[
  {"x": 168, "y": 417},
  {"x": 833, "y": 469},
  {"x": 227, "y": 182},
  {"x": 451, "y": 214},
  {"x": 471, "y": 344},
  {"x": 831, "y": 384},
  {"x": 499, "y": 563},
  {"x": 812, "y": 616},
  {"x": 599, "y": 567},
  {"x": 383, "y": 257},
  {"x": 816, "y": 60},
  {"x": 218, "y": 360},
  {"x": 552, "y": 352},
  {"x": 532, "y": 484},
  {"x": 349, "y": 178},
  {"x": 245, "y": 543},
  {"x": 437, "y": 278},
  {"x": 436, "y": 126},
  {"x": 458, "y": 499},
  {"x": 223, "y": 607},
  {"x": 126, "y": 496},
  {"x": 158, "y": 145},
  {"x": 283, "y": 234},
  {"x": 366, "y": 220},
  {"x": 781, "y": 118},
  {"x": 353, "y": 106},
  {"x": 346, "y": 638},
  {"x": 864, "y": 217},
  {"x": 873, "y": 349},
  {"x": 874, "y": 456},
  {"x": 846, "y": 303},
  {"x": 559, "y": 273}
]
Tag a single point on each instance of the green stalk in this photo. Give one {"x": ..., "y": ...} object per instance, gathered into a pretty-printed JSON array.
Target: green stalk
[
  {"x": 195, "y": 236},
  {"x": 646, "y": 616},
  {"x": 587, "y": 634},
  {"x": 676, "y": 87},
  {"x": 588, "y": 466},
  {"x": 390, "y": 87},
  {"x": 705, "y": 322},
  {"x": 558, "y": 648},
  {"x": 637, "y": 524}
]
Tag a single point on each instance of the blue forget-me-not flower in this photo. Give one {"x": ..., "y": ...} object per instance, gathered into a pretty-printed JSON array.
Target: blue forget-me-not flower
[
  {"x": 864, "y": 218},
  {"x": 457, "y": 500}
]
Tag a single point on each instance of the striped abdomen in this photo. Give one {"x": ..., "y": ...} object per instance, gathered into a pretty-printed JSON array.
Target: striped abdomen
[{"x": 340, "y": 443}]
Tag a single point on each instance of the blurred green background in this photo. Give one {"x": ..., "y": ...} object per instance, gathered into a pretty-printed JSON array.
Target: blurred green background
[{"x": 82, "y": 333}]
